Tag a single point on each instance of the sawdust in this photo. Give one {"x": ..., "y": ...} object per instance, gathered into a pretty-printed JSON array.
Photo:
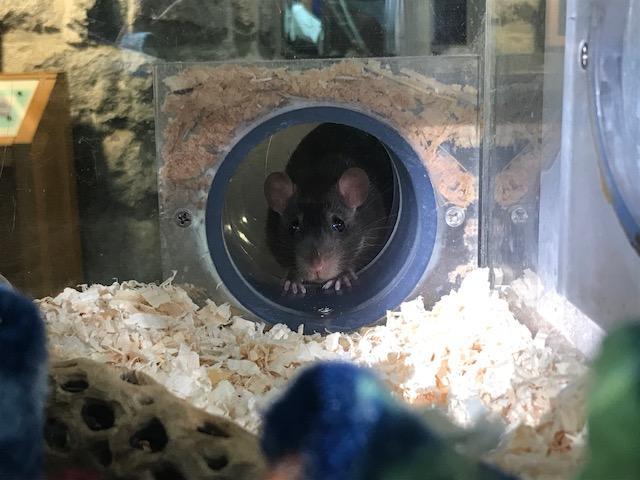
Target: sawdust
[
  {"x": 233, "y": 367},
  {"x": 208, "y": 107},
  {"x": 520, "y": 176}
]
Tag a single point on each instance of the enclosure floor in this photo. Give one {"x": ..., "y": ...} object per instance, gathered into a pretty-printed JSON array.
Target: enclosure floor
[{"x": 468, "y": 355}]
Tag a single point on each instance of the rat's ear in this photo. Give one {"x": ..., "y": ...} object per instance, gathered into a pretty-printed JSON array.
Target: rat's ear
[
  {"x": 278, "y": 190},
  {"x": 353, "y": 187}
]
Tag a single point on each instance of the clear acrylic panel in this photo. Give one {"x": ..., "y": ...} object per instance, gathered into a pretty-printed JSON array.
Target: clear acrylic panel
[
  {"x": 423, "y": 110},
  {"x": 136, "y": 140},
  {"x": 545, "y": 209}
]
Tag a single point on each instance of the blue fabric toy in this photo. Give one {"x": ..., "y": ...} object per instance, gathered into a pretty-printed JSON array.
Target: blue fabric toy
[
  {"x": 23, "y": 370},
  {"x": 337, "y": 421}
]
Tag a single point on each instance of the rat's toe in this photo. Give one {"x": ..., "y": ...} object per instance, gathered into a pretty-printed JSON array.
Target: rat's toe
[
  {"x": 299, "y": 288},
  {"x": 294, "y": 287},
  {"x": 337, "y": 283},
  {"x": 329, "y": 284}
]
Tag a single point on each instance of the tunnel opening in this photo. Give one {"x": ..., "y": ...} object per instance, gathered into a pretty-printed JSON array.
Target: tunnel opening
[{"x": 241, "y": 239}]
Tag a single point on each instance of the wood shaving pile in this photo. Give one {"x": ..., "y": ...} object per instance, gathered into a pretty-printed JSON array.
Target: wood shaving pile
[{"x": 469, "y": 350}]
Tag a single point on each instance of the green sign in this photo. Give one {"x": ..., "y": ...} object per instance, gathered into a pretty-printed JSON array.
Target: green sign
[{"x": 15, "y": 97}]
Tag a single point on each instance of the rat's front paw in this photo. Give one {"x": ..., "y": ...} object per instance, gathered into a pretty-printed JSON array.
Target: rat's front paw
[
  {"x": 293, "y": 285},
  {"x": 345, "y": 279}
]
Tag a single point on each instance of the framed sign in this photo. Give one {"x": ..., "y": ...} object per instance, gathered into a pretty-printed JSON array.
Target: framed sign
[{"x": 23, "y": 99}]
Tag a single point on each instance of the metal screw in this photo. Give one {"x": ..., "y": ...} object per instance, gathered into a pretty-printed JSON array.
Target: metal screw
[
  {"x": 584, "y": 55},
  {"x": 454, "y": 216},
  {"x": 183, "y": 218},
  {"x": 519, "y": 215}
]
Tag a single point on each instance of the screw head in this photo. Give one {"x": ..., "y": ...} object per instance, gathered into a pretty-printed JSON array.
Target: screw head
[
  {"x": 519, "y": 215},
  {"x": 183, "y": 218},
  {"x": 584, "y": 55},
  {"x": 454, "y": 216}
]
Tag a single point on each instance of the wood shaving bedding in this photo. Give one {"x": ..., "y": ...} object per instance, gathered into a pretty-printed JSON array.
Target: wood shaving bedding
[{"x": 468, "y": 350}]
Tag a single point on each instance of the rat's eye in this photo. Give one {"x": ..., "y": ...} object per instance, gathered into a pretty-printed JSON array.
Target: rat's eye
[
  {"x": 294, "y": 227},
  {"x": 337, "y": 224}
]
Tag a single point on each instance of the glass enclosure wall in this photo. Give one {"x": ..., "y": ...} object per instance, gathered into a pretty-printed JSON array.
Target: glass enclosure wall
[
  {"x": 78, "y": 177},
  {"x": 553, "y": 191},
  {"x": 106, "y": 50},
  {"x": 522, "y": 59}
]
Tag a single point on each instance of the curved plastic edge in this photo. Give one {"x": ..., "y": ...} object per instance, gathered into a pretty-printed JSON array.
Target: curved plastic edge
[{"x": 417, "y": 224}]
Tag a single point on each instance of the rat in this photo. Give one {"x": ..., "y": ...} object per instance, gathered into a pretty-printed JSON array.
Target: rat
[{"x": 327, "y": 216}]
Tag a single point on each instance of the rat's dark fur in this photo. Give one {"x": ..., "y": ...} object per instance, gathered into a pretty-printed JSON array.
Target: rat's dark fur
[
  {"x": 315, "y": 202},
  {"x": 23, "y": 364}
]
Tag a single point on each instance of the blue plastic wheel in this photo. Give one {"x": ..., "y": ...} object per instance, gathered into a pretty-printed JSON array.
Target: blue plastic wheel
[{"x": 615, "y": 89}]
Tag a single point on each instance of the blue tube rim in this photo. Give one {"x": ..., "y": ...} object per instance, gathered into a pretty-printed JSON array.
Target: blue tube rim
[
  {"x": 386, "y": 283},
  {"x": 606, "y": 111}
]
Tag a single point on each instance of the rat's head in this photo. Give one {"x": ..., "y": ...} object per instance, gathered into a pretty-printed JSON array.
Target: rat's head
[{"x": 325, "y": 229}]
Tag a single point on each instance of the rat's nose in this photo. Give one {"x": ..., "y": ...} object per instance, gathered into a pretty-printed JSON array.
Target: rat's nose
[{"x": 317, "y": 263}]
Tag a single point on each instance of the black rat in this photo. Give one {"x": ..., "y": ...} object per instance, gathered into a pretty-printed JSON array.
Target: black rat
[{"x": 328, "y": 211}]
